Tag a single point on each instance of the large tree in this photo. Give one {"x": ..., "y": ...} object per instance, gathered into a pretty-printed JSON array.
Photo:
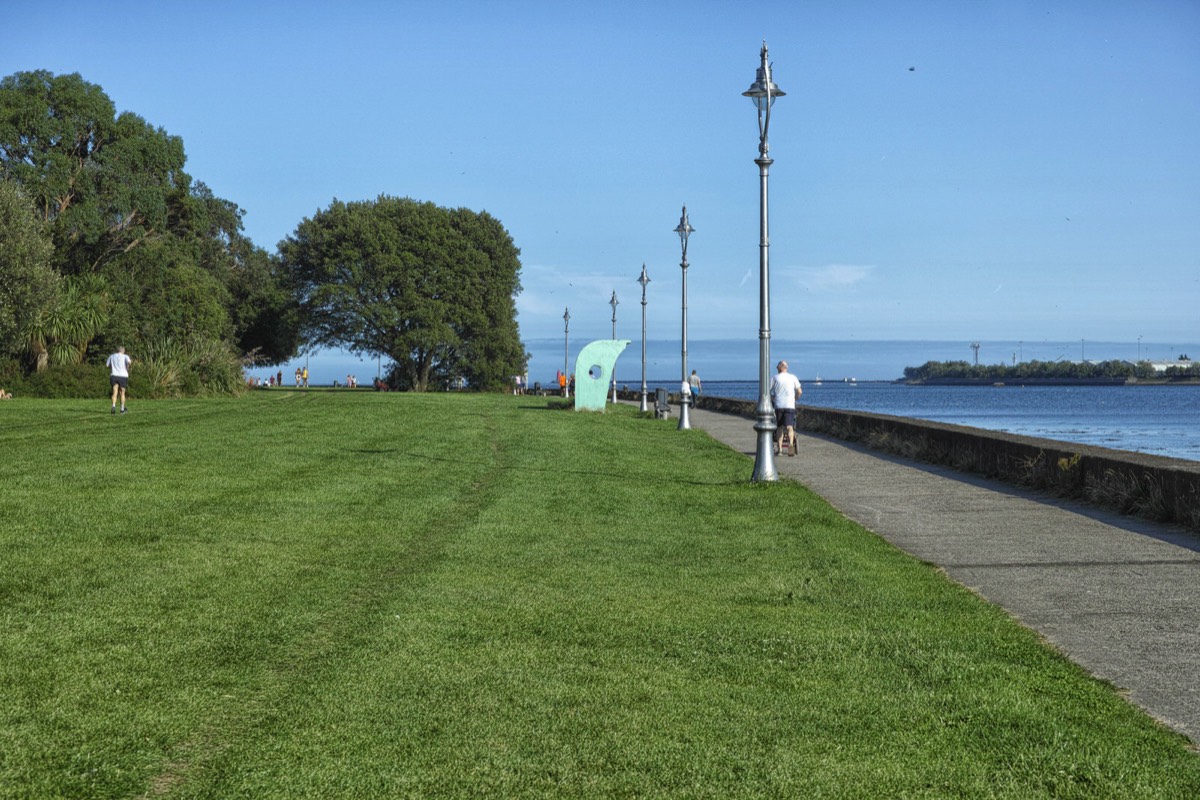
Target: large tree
[
  {"x": 103, "y": 183},
  {"x": 431, "y": 288},
  {"x": 112, "y": 196}
]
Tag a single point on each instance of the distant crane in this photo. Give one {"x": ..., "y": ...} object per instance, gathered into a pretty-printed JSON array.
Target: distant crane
[{"x": 975, "y": 347}]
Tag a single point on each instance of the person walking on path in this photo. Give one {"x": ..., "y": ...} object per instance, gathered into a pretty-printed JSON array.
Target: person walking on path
[
  {"x": 694, "y": 383},
  {"x": 785, "y": 391},
  {"x": 118, "y": 365}
]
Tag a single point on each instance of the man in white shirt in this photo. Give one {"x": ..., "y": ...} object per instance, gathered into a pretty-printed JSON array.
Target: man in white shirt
[
  {"x": 118, "y": 365},
  {"x": 785, "y": 391}
]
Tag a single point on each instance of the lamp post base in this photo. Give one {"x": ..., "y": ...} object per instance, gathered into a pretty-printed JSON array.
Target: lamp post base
[
  {"x": 764, "y": 455},
  {"x": 645, "y": 406},
  {"x": 685, "y": 423}
]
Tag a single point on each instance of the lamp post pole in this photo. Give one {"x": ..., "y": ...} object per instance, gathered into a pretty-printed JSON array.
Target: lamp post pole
[
  {"x": 684, "y": 230},
  {"x": 763, "y": 93},
  {"x": 643, "y": 280},
  {"x": 613, "y": 302},
  {"x": 566, "y": 340}
]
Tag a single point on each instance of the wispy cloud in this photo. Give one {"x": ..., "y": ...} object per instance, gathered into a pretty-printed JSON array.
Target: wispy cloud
[{"x": 833, "y": 277}]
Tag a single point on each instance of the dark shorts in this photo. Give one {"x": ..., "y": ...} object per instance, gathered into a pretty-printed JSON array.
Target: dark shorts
[
  {"x": 119, "y": 380},
  {"x": 785, "y": 417}
]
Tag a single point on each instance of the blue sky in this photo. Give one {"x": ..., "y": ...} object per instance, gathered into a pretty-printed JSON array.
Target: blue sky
[{"x": 943, "y": 170}]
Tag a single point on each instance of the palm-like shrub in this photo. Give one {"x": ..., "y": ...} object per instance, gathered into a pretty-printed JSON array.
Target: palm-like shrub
[{"x": 61, "y": 333}]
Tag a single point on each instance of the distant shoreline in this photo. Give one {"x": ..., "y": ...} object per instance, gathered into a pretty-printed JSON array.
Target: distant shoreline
[{"x": 1051, "y": 382}]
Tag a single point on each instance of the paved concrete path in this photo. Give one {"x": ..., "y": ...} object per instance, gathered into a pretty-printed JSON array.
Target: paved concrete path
[{"x": 1119, "y": 596}]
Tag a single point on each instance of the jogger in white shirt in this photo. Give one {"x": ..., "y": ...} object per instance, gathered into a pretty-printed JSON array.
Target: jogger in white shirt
[
  {"x": 785, "y": 391},
  {"x": 118, "y": 364}
]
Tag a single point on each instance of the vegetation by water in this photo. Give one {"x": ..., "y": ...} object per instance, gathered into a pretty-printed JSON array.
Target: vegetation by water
[
  {"x": 357, "y": 594},
  {"x": 1108, "y": 371}
]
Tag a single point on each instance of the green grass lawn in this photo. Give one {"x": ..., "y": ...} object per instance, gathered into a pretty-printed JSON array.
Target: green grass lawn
[{"x": 350, "y": 594}]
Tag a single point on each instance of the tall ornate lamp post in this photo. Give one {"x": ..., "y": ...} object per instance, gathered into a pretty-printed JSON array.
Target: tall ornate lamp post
[
  {"x": 643, "y": 280},
  {"x": 763, "y": 92},
  {"x": 613, "y": 303},
  {"x": 566, "y": 339},
  {"x": 684, "y": 230}
]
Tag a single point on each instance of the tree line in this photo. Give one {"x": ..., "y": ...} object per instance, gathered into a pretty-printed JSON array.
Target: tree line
[
  {"x": 106, "y": 240},
  {"x": 935, "y": 371}
]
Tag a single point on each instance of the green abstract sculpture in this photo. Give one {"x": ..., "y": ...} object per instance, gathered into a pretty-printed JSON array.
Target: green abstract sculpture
[{"x": 594, "y": 370}]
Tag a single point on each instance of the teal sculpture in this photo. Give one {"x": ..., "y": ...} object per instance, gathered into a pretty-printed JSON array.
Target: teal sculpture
[{"x": 594, "y": 370}]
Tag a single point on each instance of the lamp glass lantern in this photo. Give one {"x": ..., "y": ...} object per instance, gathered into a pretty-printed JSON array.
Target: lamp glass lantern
[{"x": 763, "y": 93}]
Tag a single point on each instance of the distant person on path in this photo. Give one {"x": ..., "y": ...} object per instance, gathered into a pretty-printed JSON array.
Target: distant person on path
[
  {"x": 279, "y": 378},
  {"x": 304, "y": 374},
  {"x": 299, "y": 377},
  {"x": 562, "y": 383},
  {"x": 694, "y": 382},
  {"x": 118, "y": 365},
  {"x": 785, "y": 391}
]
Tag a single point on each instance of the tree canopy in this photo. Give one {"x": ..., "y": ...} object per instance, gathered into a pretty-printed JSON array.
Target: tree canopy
[
  {"x": 144, "y": 252},
  {"x": 431, "y": 288},
  {"x": 28, "y": 284},
  {"x": 104, "y": 183}
]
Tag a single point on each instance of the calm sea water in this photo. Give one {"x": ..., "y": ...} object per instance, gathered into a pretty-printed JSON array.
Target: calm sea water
[{"x": 737, "y": 360}]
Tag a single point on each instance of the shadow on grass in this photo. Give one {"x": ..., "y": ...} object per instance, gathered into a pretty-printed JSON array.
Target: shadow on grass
[{"x": 551, "y": 405}]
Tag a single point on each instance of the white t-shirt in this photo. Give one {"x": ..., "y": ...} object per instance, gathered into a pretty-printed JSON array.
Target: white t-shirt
[
  {"x": 119, "y": 364},
  {"x": 784, "y": 387}
]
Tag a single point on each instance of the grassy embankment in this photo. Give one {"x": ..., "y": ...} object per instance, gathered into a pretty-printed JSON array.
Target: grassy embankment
[{"x": 370, "y": 595}]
